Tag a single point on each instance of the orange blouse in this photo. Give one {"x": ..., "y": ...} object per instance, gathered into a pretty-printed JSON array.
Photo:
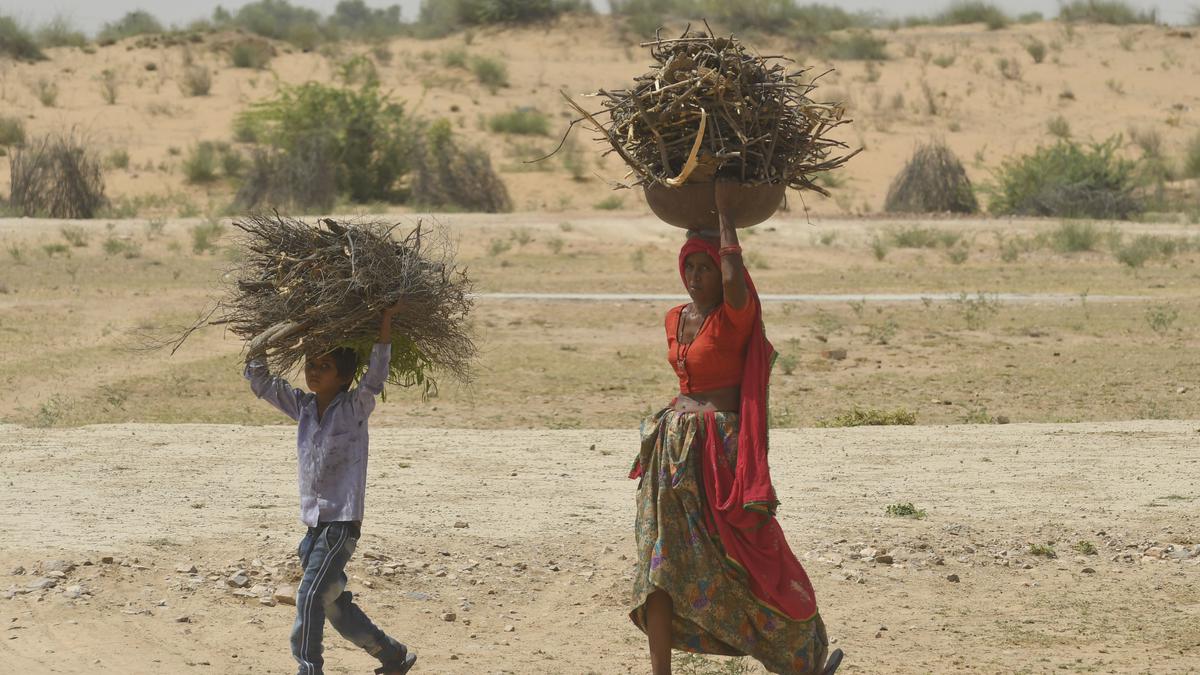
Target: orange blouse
[{"x": 715, "y": 358}]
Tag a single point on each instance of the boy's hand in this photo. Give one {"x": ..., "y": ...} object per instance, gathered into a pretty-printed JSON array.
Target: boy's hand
[
  {"x": 394, "y": 309},
  {"x": 385, "y": 322}
]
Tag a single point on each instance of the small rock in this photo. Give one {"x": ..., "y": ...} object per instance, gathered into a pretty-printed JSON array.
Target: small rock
[
  {"x": 868, "y": 553},
  {"x": 183, "y": 619},
  {"x": 238, "y": 580},
  {"x": 106, "y": 560},
  {"x": 884, "y": 559},
  {"x": 1154, "y": 552},
  {"x": 461, "y": 524},
  {"x": 56, "y": 575},
  {"x": 187, "y": 568},
  {"x": 833, "y": 354},
  {"x": 953, "y": 578},
  {"x": 42, "y": 584},
  {"x": 417, "y": 595},
  {"x": 73, "y": 591},
  {"x": 510, "y": 628},
  {"x": 60, "y": 566},
  {"x": 269, "y": 602},
  {"x": 285, "y": 595},
  {"x": 449, "y": 616},
  {"x": 17, "y": 571},
  {"x": 1088, "y": 570}
]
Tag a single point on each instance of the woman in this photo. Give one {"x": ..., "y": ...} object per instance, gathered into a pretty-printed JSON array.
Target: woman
[{"x": 715, "y": 574}]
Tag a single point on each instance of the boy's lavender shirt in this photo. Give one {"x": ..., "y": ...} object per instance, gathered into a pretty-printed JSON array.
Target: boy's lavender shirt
[{"x": 332, "y": 453}]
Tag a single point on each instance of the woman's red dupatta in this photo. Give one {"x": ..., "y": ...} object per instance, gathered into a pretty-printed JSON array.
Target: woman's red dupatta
[{"x": 741, "y": 502}]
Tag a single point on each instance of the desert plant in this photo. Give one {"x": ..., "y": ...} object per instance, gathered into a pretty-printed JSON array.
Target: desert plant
[
  {"x": 126, "y": 248},
  {"x": 1009, "y": 69},
  {"x": 879, "y": 248},
  {"x": 449, "y": 175},
  {"x": 520, "y": 121},
  {"x": 1161, "y": 318},
  {"x": 944, "y": 60},
  {"x": 609, "y": 203},
  {"x": 60, "y": 32},
  {"x": 47, "y": 92},
  {"x": 861, "y": 417},
  {"x": 1075, "y": 237},
  {"x": 916, "y": 236},
  {"x": 904, "y": 510},
  {"x": 1114, "y": 12},
  {"x": 206, "y": 235},
  {"x": 1085, "y": 548},
  {"x": 57, "y": 177},
  {"x": 200, "y": 166},
  {"x": 857, "y": 46},
  {"x": 1059, "y": 127},
  {"x": 108, "y": 86},
  {"x": 12, "y": 131},
  {"x": 16, "y": 42},
  {"x": 196, "y": 81},
  {"x": 368, "y": 138},
  {"x": 973, "y": 11},
  {"x": 280, "y": 20},
  {"x": 1045, "y": 550},
  {"x": 1036, "y": 49},
  {"x": 933, "y": 181},
  {"x": 977, "y": 311},
  {"x": 137, "y": 22},
  {"x": 490, "y": 72},
  {"x": 250, "y": 53},
  {"x": 302, "y": 176},
  {"x": 353, "y": 18},
  {"x": 1191, "y": 154},
  {"x": 1067, "y": 180},
  {"x": 75, "y": 235}
]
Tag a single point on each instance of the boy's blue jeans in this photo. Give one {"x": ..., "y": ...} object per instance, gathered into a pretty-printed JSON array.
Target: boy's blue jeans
[{"x": 324, "y": 553}]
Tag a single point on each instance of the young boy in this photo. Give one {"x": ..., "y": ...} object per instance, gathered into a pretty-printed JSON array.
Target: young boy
[{"x": 332, "y": 450}]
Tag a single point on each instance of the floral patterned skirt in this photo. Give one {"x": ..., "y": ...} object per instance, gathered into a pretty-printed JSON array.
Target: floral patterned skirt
[{"x": 715, "y": 611}]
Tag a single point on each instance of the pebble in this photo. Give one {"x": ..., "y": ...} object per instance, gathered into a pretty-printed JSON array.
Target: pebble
[
  {"x": 285, "y": 595},
  {"x": 183, "y": 619},
  {"x": 1088, "y": 570},
  {"x": 953, "y": 578},
  {"x": 449, "y": 616},
  {"x": 510, "y": 628},
  {"x": 186, "y": 569},
  {"x": 42, "y": 584},
  {"x": 461, "y": 524},
  {"x": 73, "y": 591},
  {"x": 238, "y": 580}
]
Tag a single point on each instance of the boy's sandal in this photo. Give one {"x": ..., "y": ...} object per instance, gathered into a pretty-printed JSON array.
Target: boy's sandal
[
  {"x": 832, "y": 663},
  {"x": 398, "y": 668}
]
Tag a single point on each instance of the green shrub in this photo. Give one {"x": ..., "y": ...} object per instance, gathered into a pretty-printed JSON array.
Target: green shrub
[
  {"x": 933, "y": 181},
  {"x": 1191, "y": 155},
  {"x": 47, "y": 92},
  {"x": 254, "y": 54},
  {"x": 353, "y": 18},
  {"x": 862, "y": 417},
  {"x": 126, "y": 248},
  {"x": 108, "y": 86},
  {"x": 75, "y": 235},
  {"x": 923, "y": 237},
  {"x": 857, "y": 46},
  {"x": 1046, "y": 550},
  {"x": 1059, "y": 127},
  {"x": 490, "y": 72},
  {"x": 16, "y": 42},
  {"x": 280, "y": 20},
  {"x": 60, "y": 32},
  {"x": 971, "y": 11},
  {"x": 368, "y": 138},
  {"x": 522, "y": 121},
  {"x": 610, "y": 203},
  {"x": 439, "y": 17},
  {"x": 12, "y": 130},
  {"x": 1085, "y": 548},
  {"x": 200, "y": 166},
  {"x": 454, "y": 58},
  {"x": 205, "y": 236},
  {"x": 1067, "y": 180},
  {"x": 196, "y": 81},
  {"x": 1105, "y": 11},
  {"x": 1075, "y": 237},
  {"x": 118, "y": 159},
  {"x": 1036, "y": 49},
  {"x": 904, "y": 510},
  {"x": 448, "y": 175},
  {"x": 137, "y": 22}
]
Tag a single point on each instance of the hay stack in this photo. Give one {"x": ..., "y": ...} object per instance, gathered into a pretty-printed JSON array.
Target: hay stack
[
  {"x": 304, "y": 290},
  {"x": 933, "y": 181},
  {"x": 710, "y": 107}
]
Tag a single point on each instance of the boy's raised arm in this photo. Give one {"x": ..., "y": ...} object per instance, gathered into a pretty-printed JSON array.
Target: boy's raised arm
[
  {"x": 381, "y": 355},
  {"x": 272, "y": 388}
]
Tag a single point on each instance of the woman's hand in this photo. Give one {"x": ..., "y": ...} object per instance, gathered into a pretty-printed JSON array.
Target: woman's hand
[{"x": 729, "y": 196}]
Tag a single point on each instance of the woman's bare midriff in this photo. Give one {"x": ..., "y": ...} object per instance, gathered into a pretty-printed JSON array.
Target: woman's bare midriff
[{"x": 726, "y": 399}]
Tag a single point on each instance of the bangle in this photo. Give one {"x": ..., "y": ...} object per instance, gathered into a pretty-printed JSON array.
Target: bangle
[{"x": 730, "y": 250}]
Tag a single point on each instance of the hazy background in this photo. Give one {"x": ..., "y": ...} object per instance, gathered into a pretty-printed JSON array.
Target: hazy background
[{"x": 91, "y": 14}]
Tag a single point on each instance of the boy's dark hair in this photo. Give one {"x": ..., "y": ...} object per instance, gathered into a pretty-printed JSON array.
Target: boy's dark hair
[{"x": 345, "y": 360}]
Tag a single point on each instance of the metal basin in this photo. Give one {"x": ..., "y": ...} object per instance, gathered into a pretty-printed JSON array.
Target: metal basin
[{"x": 693, "y": 206}]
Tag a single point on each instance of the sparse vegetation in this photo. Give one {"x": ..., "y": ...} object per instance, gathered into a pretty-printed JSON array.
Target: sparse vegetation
[
  {"x": 1191, "y": 154},
  {"x": 1045, "y": 550},
  {"x": 1036, "y": 49},
  {"x": 16, "y": 42},
  {"x": 1010, "y": 69},
  {"x": 196, "y": 81},
  {"x": 1161, "y": 318},
  {"x": 859, "y": 45},
  {"x": 1059, "y": 127},
  {"x": 126, "y": 248},
  {"x": 904, "y": 510},
  {"x": 75, "y": 235},
  {"x": 47, "y": 92},
  {"x": 57, "y": 177},
  {"x": 60, "y": 32},
  {"x": 12, "y": 131},
  {"x": 861, "y": 417},
  {"x": 449, "y": 175},
  {"x": 1067, "y": 180},
  {"x": 973, "y": 11},
  {"x": 249, "y": 53},
  {"x": 1084, "y": 547},
  {"x": 933, "y": 181},
  {"x": 109, "y": 86},
  {"x": 610, "y": 203},
  {"x": 521, "y": 121},
  {"x": 977, "y": 311},
  {"x": 206, "y": 235},
  {"x": 490, "y": 72},
  {"x": 1075, "y": 237},
  {"x": 1114, "y": 12},
  {"x": 134, "y": 23}
]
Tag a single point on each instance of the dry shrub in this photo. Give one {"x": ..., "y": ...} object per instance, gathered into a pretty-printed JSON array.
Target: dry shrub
[
  {"x": 301, "y": 177},
  {"x": 447, "y": 175},
  {"x": 57, "y": 177},
  {"x": 933, "y": 181}
]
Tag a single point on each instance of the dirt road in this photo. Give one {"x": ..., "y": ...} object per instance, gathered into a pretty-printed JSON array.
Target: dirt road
[{"x": 524, "y": 536}]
